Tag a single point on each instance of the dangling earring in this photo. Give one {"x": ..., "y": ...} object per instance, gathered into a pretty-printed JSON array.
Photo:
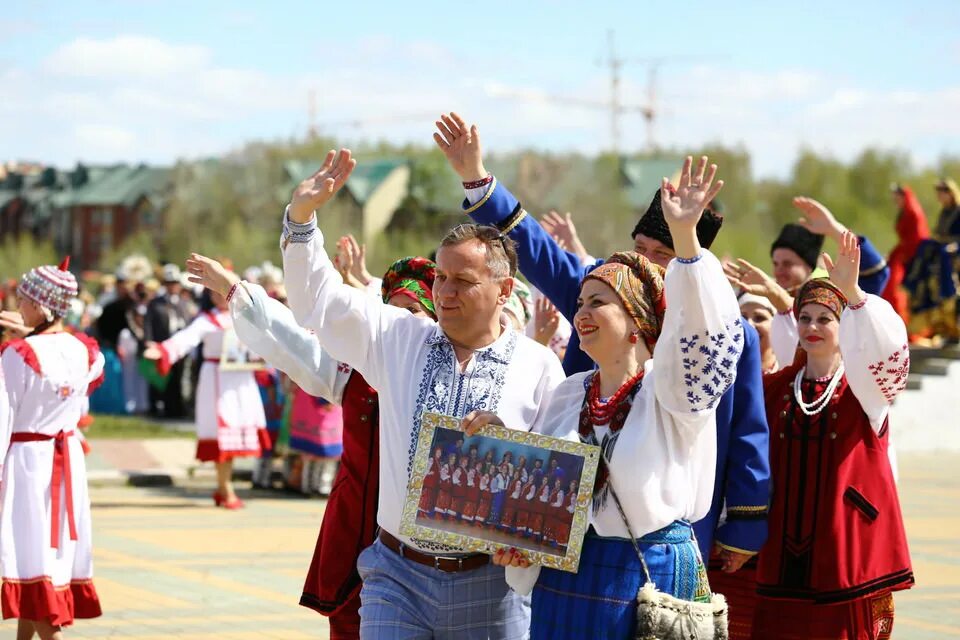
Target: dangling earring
[{"x": 634, "y": 338}]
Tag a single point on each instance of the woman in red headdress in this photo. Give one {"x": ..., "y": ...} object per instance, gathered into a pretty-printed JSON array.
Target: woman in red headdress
[{"x": 836, "y": 549}]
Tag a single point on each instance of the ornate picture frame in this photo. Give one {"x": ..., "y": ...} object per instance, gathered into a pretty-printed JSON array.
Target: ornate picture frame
[{"x": 500, "y": 488}]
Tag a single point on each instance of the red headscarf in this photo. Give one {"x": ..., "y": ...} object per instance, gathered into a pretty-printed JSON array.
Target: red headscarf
[{"x": 639, "y": 284}]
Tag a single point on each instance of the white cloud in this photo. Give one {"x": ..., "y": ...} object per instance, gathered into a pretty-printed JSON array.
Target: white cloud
[
  {"x": 135, "y": 98},
  {"x": 125, "y": 56}
]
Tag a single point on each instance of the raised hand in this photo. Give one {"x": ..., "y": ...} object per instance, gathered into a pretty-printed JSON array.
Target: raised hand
[
  {"x": 683, "y": 205},
  {"x": 817, "y": 218},
  {"x": 755, "y": 280},
  {"x": 316, "y": 191},
  {"x": 152, "y": 351},
  {"x": 846, "y": 270},
  {"x": 359, "y": 254},
  {"x": 461, "y": 145},
  {"x": 211, "y": 274},
  {"x": 344, "y": 262},
  {"x": 564, "y": 232},
  {"x": 12, "y": 321},
  {"x": 546, "y": 321}
]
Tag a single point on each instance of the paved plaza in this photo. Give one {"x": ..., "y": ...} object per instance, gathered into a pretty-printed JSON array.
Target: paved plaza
[{"x": 170, "y": 565}]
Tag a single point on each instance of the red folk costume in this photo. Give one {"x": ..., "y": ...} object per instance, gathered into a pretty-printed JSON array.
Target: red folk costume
[
  {"x": 507, "y": 520},
  {"x": 472, "y": 500},
  {"x": 486, "y": 499},
  {"x": 553, "y": 518},
  {"x": 428, "y": 494},
  {"x": 445, "y": 490},
  {"x": 911, "y": 229},
  {"x": 522, "y": 517},
  {"x": 458, "y": 480},
  {"x": 836, "y": 548}
]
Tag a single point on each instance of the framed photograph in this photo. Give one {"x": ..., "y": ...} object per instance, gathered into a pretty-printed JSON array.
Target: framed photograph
[
  {"x": 500, "y": 488},
  {"x": 234, "y": 355}
]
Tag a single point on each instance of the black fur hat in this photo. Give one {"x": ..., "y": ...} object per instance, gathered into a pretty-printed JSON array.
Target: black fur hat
[
  {"x": 653, "y": 225},
  {"x": 805, "y": 244}
]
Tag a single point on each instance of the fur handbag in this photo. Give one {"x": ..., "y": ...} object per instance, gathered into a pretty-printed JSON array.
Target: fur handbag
[{"x": 661, "y": 616}]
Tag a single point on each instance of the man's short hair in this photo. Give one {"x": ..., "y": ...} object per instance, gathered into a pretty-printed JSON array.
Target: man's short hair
[{"x": 501, "y": 250}]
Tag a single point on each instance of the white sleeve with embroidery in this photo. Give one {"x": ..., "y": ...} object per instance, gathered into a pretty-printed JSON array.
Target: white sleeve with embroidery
[
  {"x": 696, "y": 355},
  {"x": 784, "y": 337},
  {"x": 349, "y": 323},
  {"x": 187, "y": 339},
  {"x": 876, "y": 356},
  {"x": 268, "y": 328}
]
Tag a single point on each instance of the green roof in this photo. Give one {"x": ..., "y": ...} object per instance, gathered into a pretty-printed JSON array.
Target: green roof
[
  {"x": 363, "y": 182},
  {"x": 120, "y": 184},
  {"x": 643, "y": 175}
]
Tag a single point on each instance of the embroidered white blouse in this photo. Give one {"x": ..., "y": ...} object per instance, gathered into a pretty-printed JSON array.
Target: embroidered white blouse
[
  {"x": 664, "y": 461},
  {"x": 411, "y": 363}
]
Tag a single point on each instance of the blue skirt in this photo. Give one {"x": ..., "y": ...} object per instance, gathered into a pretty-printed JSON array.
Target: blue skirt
[{"x": 600, "y": 600}]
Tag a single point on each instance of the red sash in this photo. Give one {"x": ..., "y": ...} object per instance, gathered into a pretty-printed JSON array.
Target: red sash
[{"x": 61, "y": 470}]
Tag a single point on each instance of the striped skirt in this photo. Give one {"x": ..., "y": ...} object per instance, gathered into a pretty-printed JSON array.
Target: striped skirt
[{"x": 600, "y": 600}]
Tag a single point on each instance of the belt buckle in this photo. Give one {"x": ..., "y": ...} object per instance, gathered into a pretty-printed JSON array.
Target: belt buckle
[{"x": 437, "y": 559}]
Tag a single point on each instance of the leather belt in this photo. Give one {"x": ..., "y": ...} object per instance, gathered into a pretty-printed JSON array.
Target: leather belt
[{"x": 447, "y": 564}]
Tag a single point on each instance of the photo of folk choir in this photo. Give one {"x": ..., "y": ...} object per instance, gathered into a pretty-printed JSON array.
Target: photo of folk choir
[{"x": 469, "y": 489}]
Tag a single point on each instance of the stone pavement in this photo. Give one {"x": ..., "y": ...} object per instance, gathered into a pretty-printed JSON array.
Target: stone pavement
[{"x": 170, "y": 565}]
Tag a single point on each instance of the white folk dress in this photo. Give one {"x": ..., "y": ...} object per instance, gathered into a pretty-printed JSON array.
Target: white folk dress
[
  {"x": 230, "y": 418},
  {"x": 664, "y": 461},
  {"x": 45, "y": 530}
]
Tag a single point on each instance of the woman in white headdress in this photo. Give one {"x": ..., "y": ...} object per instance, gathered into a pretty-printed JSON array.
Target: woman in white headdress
[{"x": 45, "y": 530}]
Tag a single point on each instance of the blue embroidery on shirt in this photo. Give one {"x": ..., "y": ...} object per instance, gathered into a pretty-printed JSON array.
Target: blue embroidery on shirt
[
  {"x": 707, "y": 365},
  {"x": 479, "y": 390}
]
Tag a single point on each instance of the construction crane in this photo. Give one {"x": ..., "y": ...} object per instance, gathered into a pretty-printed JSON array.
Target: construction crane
[{"x": 614, "y": 104}]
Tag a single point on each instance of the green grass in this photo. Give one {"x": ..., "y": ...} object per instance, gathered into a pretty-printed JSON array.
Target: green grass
[{"x": 132, "y": 427}]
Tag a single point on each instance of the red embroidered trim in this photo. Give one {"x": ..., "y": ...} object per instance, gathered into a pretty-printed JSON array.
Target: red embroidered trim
[
  {"x": 891, "y": 374},
  {"x": 26, "y": 352},
  {"x": 859, "y": 305},
  {"x": 93, "y": 350},
  {"x": 476, "y": 184},
  {"x": 232, "y": 291}
]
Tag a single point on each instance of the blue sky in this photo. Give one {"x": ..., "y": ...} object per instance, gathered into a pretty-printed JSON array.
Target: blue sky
[{"x": 153, "y": 81}]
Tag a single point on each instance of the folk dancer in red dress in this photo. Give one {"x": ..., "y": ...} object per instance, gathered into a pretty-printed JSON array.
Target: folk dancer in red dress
[
  {"x": 46, "y": 557},
  {"x": 444, "y": 506},
  {"x": 837, "y": 549},
  {"x": 431, "y": 479},
  {"x": 486, "y": 497},
  {"x": 554, "y": 515},
  {"x": 459, "y": 495},
  {"x": 524, "y": 504},
  {"x": 539, "y": 511},
  {"x": 472, "y": 500},
  {"x": 508, "y": 521}
]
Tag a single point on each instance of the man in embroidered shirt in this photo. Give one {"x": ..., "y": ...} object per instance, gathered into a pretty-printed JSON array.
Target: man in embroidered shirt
[{"x": 467, "y": 361}]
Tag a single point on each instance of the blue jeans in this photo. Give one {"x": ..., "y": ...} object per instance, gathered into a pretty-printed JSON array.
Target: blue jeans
[{"x": 404, "y": 600}]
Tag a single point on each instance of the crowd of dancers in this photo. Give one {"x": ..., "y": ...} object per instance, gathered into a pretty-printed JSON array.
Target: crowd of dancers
[{"x": 743, "y": 418}]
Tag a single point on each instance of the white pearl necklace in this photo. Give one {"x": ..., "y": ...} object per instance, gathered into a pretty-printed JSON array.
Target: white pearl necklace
[{"x": 819, "y": 404}]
